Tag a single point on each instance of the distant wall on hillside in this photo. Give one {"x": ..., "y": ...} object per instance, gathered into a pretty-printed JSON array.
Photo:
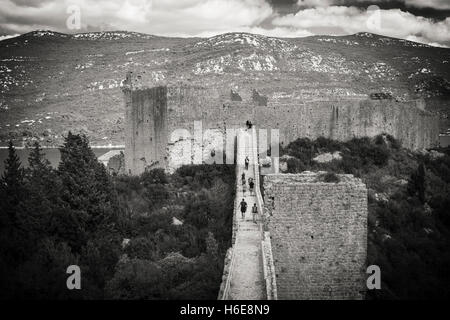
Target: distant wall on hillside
[{"x": 154, "y": 117}]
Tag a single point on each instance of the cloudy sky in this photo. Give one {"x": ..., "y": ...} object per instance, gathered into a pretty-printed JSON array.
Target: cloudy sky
[{"x": 425, "y": 21}]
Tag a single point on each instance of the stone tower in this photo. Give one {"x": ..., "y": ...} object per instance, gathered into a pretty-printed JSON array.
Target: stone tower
[
  {"x": 318, "y": 233},
  {"x": 146, "y": 127}
]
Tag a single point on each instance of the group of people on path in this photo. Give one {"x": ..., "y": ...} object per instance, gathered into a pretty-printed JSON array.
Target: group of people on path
[
  {"x": 251, "y": 185},
  {"x": 243, "y": 205}
]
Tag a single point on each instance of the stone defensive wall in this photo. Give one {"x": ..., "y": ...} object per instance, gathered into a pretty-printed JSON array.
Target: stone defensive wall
[
  {"x": 229, "y": 261},
  {"x": 160, "y": 121},
  {"x": 318, "y": 234},
  {"x": 266, "y": 244}
]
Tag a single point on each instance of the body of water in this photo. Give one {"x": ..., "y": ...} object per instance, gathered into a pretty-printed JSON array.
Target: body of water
[{"x": 52, "y": 154}]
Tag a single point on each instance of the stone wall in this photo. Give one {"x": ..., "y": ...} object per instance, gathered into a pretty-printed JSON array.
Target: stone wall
[
  {"x": 155, "y": 116},
  {"x": 230, "y": 256},
  {"x": 319, "y": 235},
  {"x": 345, "y": 119},
  {"x": 266, "y": 246}
]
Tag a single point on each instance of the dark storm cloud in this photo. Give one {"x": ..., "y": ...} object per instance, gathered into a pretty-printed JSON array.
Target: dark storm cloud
[
  {"x": 20, "y": 16},
  {"x": 284, "y": 6},
  {"x": 436, "y": 9},
  {"x": 30, "y": 3}
]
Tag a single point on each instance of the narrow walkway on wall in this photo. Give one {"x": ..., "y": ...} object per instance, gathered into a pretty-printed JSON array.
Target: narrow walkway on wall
[{"x": 247, "y": 278}]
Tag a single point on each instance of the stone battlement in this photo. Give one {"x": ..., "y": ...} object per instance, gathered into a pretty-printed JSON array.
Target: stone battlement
[{"x": 313, "y": 178}]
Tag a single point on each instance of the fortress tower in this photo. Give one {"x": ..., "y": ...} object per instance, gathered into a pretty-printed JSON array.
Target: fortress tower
[
  {"x": 146, "y": 127},
  {"x": 318, "y": 233}
]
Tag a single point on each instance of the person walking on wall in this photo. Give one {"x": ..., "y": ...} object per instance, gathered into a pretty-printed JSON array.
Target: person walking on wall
[
  {"x": 251, "y": 185},
  {"x": 243, "y": 206},
  {"x": 254, "y": 212},
  {"x": 247, "y": 161}
]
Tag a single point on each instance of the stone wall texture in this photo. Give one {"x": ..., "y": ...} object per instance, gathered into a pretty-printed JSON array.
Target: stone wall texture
[
  {"x": 319, "y": 235},
  {"x": 153, "y": 115},
  {"x": 146, "y": 129}
]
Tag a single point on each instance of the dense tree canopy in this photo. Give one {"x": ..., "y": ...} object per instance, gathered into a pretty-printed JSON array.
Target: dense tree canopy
[
  {"x": 119, "y": 230},
  {"x": 409, "y": 219}
]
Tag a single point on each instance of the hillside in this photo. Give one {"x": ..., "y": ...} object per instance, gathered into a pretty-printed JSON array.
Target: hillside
[{"x": 51, "y": 82}]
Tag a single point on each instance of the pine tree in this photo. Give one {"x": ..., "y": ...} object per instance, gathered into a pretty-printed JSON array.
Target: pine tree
[
  {"x": 40, "y": 175},
  {"x": 11, "y": 184},
  {"x": 12, "y": 177},
  {"x": 12, "y": 193},
  {"x": 36, "y": 159},
  {"x": 42, "y": 199},
  {"x": 86, "y": 186}
]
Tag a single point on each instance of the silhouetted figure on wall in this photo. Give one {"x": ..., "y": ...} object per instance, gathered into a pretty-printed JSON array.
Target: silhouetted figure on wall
[
  {"x": 251, "y": 185},
  {"x": 254, "y": 212},
  {"x": 243, "y": 206}
]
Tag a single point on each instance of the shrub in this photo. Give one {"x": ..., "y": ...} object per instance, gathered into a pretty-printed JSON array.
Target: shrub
[
  {"x": 330, "y": 177},
  {"x": 394, "y": 143},
  {"x": 155, "y": 176}
]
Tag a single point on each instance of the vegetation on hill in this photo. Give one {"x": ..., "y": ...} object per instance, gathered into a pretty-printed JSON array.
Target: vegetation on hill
[
  {"x": 155, "y": 236},
  {"x": 409, "y": 219}
]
